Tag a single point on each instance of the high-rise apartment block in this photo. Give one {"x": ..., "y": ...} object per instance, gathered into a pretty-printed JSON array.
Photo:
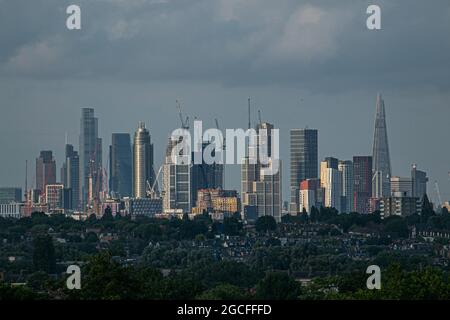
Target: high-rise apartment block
[
  {"x": 45, "y": 170},
  {"x": 90, "y": 156},
  {"x": 70, "y": 175},
  {"x": 331, "y": 182},
  {"x": 261, "y": 189},
  {"x": 121, "y": 166},
  {"x": 362, "y": 183},
  {"x": 304, "y": 162},
  {"x": 347, "y": 200}
]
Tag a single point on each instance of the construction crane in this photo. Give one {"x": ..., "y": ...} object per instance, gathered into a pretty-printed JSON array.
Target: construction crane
[
  {"x": 151, "y": 191},
  {"x": 184, "y": 121}
]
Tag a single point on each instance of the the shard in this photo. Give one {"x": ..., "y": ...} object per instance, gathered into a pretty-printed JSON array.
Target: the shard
[{"x": 381, "y": 160}]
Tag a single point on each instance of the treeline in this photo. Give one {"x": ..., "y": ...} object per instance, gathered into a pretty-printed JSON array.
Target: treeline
[{"x": 105, "y": 279}]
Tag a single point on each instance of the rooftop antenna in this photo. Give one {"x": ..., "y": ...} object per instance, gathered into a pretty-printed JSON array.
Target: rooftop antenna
[
  {"x": 249, "y": 121},
  {"x": 67, "y": 138}
]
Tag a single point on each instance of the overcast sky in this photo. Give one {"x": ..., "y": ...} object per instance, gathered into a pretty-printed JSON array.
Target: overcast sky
[{"x": 304, "y": 63}]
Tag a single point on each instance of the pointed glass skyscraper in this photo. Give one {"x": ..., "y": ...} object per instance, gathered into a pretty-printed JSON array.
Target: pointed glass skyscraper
[{"x": 381, "y": 169}]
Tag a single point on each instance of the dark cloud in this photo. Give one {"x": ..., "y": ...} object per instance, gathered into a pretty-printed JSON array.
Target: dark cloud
[{"x": 143, "y": 54}]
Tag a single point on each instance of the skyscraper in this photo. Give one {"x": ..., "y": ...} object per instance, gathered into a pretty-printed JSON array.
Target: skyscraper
[
  {"x": 419, "y": 182},
  {"x": 45, "y": 170},
  {"x": 309, "y": 195},
  {"x": 331, "y": 182},
  {"x": 90, "y": 155},
  {"x": 142, "y": 161},
  {"x": 70, "y": 175},
  {"x": 121, "y": 164},
  {"x": 346, "y": 167},
  {"x": 381, "y": 171},
  {"x": 401, "y": 187},
  {"x": 304, "y": 161},
  {"x": 362, "y": 183},
  {"x": 177, "y": 183},
  {"x": 204, "y": 175},
  {"x": 261, "y": 190}
]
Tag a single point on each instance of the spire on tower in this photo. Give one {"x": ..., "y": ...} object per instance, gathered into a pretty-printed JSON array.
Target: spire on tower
[{"x": 381, "y": 157}]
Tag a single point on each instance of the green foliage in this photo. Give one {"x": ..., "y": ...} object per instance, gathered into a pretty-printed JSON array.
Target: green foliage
[
  {"x": 266, "y": 224},
  {"x": 232, "y": 226},
  {"x": 44, "y": 254},
  {"x": 224, "y": 292},
  {"x": 396, "y": 226},
  {"x": 105, "y": 279},
  {"x": 277, "y": 286},
  {"x": 17, "y": 293}
]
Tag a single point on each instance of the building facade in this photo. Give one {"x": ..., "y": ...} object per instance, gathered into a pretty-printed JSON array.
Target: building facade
[
  {"x": 177, "y": 182},
  {"x": 204, "y": 175},
  {"x": 331, "y": 182},
  {"x": 399, "y": 206},
  {"x": 419, "y": 181},
  {"x": 362, "y": 183},
  {"x": 309, "y": 195},
  {"x": 304, "y": 162},
  {"x": 90, "y": 157},
  {"x": 121, "y": 166},
  {"x": 45, "y": 170},
  {"x": 10, "y": 195},
  {"x": 261, "y": 189},
  {"x": 70, "y": 175},
  {"x": 142, "y": 162},
  {"x": 346, "y": 169},
  {"x": 11, "y": 210},
  {"x": 381, "y": 162},
  {"x": 401, "y": 186}
]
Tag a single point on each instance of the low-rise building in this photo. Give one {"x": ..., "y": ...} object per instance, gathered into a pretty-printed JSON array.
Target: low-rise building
[
  {"x": 11, "y": 210},
  {"x": 399, "y": 206}
]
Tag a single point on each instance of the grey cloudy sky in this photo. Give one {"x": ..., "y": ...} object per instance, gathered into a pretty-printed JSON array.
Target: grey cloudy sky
[{"x": 304, "y": 63}]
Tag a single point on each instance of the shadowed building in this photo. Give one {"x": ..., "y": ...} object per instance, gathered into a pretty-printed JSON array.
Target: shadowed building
[
  {"x": 121, "y": 164},
  {"x": 304, "y": 161},
  {"x": 90, "y": 155},
  {"x": 362, "y": 183},
  {"x": 70, "y": 175}
]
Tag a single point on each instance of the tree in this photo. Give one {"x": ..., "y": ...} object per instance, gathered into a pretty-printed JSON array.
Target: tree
[
  {"x": 277, "y": 286},
  {"x": 223, "y": 292},
  {"x": 16, "y": 293},
  {"x": 265, "y": 224},
  {"x": 44, "y": 254},
  {"x": 107, "y": 214},
  {"x": 396, "y": 226},
  {"x": 105, "y": 279},
  {"x": 232, "y": 226},
  {"x": 314, "y": 214}
]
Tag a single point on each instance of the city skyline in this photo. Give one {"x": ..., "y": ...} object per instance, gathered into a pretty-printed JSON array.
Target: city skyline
[
  {"x": 233, "y": 184},
  {"x": 304, "y": 64}
]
